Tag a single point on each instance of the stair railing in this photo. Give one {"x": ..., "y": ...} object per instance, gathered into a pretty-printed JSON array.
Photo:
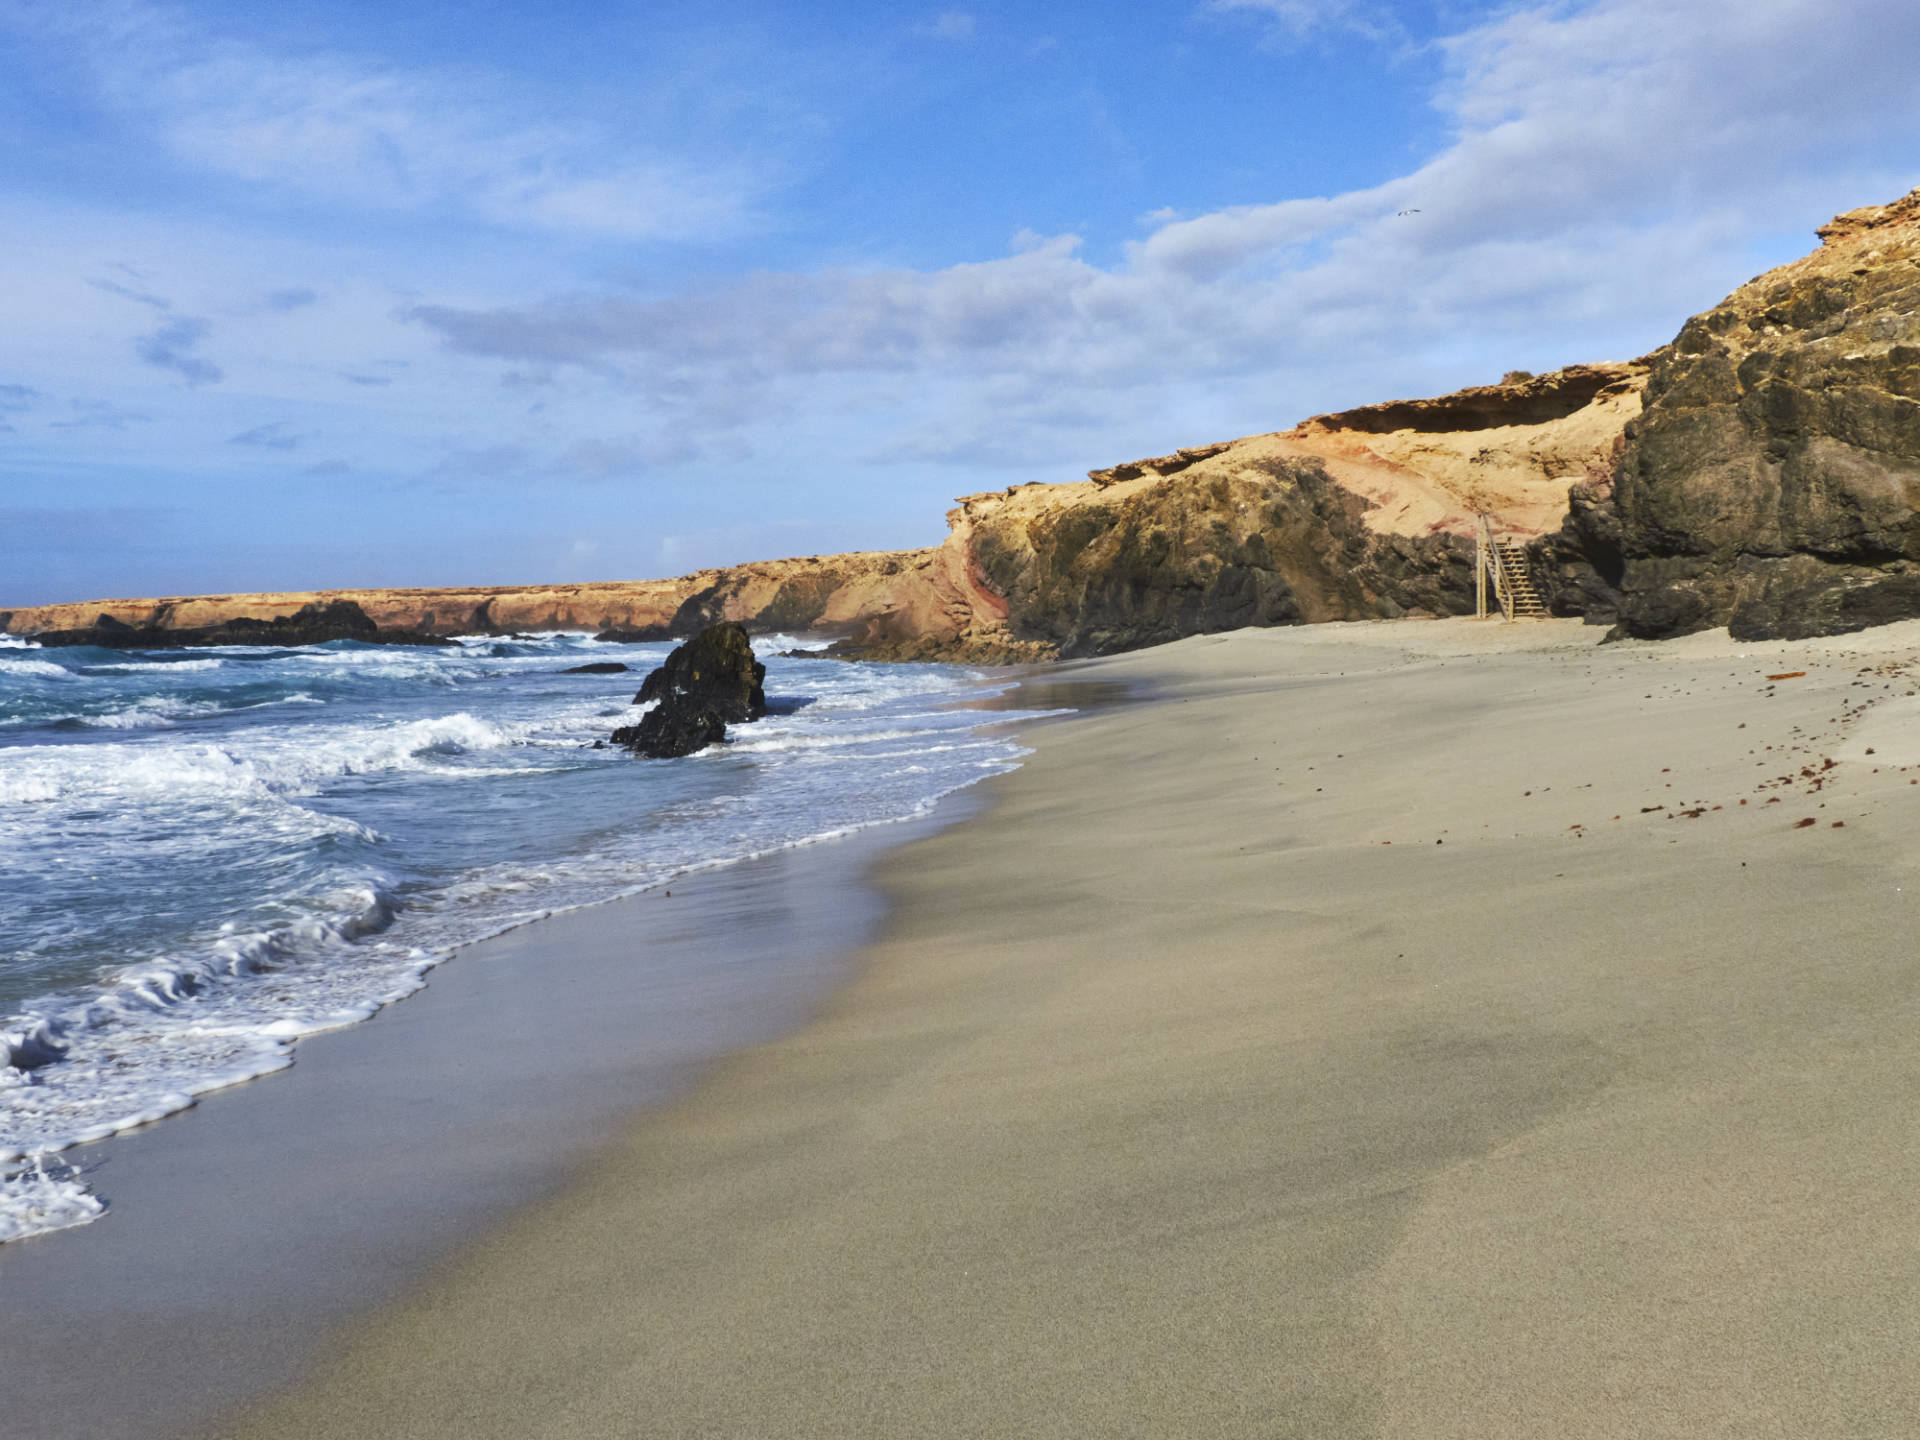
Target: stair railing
[
  {"x": 1489, "y": 564},
  {"x": 1504, "y": 562}
]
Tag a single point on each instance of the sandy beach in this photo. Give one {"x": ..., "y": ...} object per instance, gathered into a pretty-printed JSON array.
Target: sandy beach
[
  {"x": 243, "y": 1231},
  {"x": 1391, "y": 1029}
]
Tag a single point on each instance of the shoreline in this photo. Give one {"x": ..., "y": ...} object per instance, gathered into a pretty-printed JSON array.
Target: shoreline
[
  {"x": 243, "y": 1230},
  {"x": 1311, "y": 1052}
]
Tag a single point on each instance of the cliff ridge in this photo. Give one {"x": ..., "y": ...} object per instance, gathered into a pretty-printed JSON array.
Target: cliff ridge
[
  {"x": 1761, "y": 472},
  {"x": 1772, "y": 482}
]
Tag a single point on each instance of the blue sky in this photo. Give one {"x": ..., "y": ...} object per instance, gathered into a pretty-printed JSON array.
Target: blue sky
[{"x": 496, "y": 292}]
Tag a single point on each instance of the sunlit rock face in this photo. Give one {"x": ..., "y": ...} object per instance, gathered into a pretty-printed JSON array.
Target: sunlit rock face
[
  {"x": 1359, "y": 515},
  {"x": 1365, "y": 514},
  {"x": 1772, "y": 482}
]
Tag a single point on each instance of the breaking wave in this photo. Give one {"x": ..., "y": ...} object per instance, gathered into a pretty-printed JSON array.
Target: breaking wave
[{"x": 205, "y": 860}]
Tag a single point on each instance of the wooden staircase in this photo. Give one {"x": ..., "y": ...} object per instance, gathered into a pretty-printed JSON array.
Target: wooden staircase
[{"x": 1503, "y": 562}]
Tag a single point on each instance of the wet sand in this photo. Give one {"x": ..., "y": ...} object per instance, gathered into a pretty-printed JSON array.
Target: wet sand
[
  {"x": 246, "y": 1230},
  {"x": 1392, "y": 1030}
]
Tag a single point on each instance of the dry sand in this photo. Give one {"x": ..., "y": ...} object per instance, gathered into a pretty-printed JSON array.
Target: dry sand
[{"x": 1177, "y": 1101}]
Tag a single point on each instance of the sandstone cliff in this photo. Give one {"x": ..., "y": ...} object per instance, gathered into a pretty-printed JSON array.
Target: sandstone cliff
[
  {"x": 829, "y": 592},
  {"x": 1363, "y": 514},
  {"x": 1763, "y": 472},
  {"x": 313, "y": 624},
  {"x": 1773, "y": 483}
]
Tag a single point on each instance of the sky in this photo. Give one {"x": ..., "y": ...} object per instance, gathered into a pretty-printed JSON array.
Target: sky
[{"x": 501, "y": 292}]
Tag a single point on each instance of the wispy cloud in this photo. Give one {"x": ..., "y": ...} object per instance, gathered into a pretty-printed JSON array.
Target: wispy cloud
[
  {"x": 295, "y": 299},
  {"x": 952, "y": 25},
  {"x": 278, "y": 435},
  {"x": 171, "y": 348},
  {"x": 99, "y": 415},
  {"x": 478, "y": 466},
  {"x": 1294, "y": 20},
  {"x": 140, "y": 297},
  {"x": 382, "y": 136},
  {"x": 1607, "y": 163}
]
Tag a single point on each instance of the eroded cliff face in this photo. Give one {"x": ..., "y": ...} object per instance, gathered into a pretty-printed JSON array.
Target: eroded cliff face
[
  {"x": 1359, "y": 515},
  {"x": 1248, "y": 537},
  {"x": 830, "y": 592},
  {"x": 1772, "y": 484},
  {"x": 1762, "y": 472}
]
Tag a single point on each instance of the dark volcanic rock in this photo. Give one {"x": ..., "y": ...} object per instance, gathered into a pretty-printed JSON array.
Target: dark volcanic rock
[
  {"x": 634, "y": 634},
  {"x": 1772, "y": 484},
  {"x": 313, "y": 624},
  {"x": 1582, "y": 565},
  {"x": 1159, "y": 465},
  {"x": 482, "y": 622},
  {"x": 716, "y": 670},
  {"x": 705, "y": 685},
  {"x": 667, "y": 734},
  {"x": 598, "y": 667}
]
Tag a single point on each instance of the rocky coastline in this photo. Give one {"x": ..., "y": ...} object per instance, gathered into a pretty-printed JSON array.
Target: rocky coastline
[
  {"x": 1760, "y": 472},
  {"x": 314, "y": 623}
]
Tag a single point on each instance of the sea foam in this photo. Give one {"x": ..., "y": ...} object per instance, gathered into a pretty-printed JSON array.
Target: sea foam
[{"x": 308, "y": 832}]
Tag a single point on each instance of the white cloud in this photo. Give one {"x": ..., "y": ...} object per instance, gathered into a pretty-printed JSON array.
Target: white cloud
[
  {"x": 275, "y": 435},
  {"x": 1603, "y": 171},
  {"x": 953, "y": 25},
  {"x": 1295, "y": 20},
  {"x": 383, "y": 137},
  {"x": 1608, "y": 169}
]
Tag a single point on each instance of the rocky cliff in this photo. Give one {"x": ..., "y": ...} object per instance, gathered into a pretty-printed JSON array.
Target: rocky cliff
[
  {"x": 312, "y": 624},
  {"x": 1761, "y": 472},
  {"x": 1772, "y": 483},
  {"x": 1363, "y": 514},
  {"x": 830, "y": 593}
]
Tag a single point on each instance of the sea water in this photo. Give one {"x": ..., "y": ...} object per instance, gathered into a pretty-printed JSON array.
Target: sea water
[{"x": 208, "y": 854}]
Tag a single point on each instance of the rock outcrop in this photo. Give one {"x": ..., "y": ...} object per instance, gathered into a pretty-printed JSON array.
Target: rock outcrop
[
  {"x": 707, "y": 684},
  {"x": 1761, "y": 472},
  {"x": 1367, "y": 513},
  {"x": 312, "y": 624},
  {"x": 1358, "y": 515},
  {"x": 1249, "y": 536},
  {"x": 825, "y": 593},
  {"x": 1772, "y": 484}
]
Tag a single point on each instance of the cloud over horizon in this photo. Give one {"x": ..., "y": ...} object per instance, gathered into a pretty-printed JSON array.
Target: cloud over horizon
[
  {"x": 1605, "y": 163},
  {"x": 665, "y": 278}
]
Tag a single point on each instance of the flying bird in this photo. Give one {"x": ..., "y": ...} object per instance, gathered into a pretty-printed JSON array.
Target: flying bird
[{"x": 1409, "y": 212}]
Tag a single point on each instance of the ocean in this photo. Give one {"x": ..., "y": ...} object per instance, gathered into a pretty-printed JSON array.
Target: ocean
[{"x": 207, "y": 854}]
